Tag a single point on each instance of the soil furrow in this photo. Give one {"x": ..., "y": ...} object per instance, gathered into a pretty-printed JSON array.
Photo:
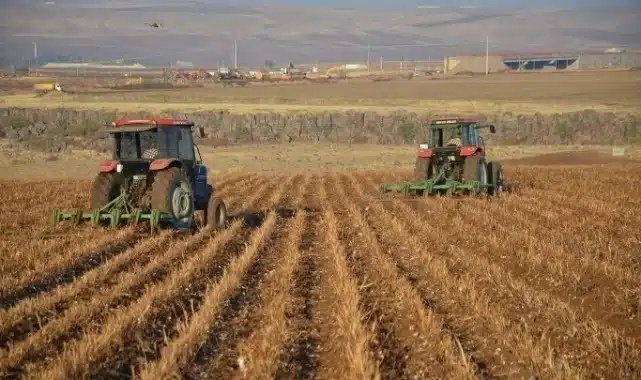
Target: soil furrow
[
  {"x": 32, "y": 314},
  {"x": 345, "y": 340},
  {"x": 94, "y": 342},
  {"x": 72, "y": 265},
  {"x": 195, "y": 339},
  {"x": 542, "y": 259},
  {"x": 242, "y": 313},
  {"x": 414, "y": 346},
  {"x": 428, "y": 271},
  {"x": 586, "y": 291},
  {"x": 571, "y": 336},
  {"x": 298, "y": 358}
]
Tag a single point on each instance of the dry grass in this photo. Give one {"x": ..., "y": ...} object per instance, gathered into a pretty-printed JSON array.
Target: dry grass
[
  {"x": 546, "y": 93},
  {"x": 541, "y": 282},
  {"x": 229, "y": 160}
]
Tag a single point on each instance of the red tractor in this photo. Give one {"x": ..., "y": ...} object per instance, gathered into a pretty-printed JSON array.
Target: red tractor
[
  {"x": 453, "y": 161},
  {"x": 156, "y": 174}
]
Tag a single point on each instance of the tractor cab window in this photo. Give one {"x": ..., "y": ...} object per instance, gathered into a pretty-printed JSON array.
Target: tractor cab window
[
  {"x": 436, "y": 137},
  {"x": 136, "y": 145},
  {"x": 178, "y": 143},
  {"x": 454, "y": 136},
  {"x": 126, "y": 147},
  {"x": 185, "y": 144},
  {"x": 472, "y": 134}
]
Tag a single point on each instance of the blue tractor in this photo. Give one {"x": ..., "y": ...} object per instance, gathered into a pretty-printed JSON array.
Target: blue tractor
[{"x": 156, "y": 174}]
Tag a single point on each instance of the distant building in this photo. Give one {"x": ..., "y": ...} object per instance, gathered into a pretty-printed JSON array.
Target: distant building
[
  {"x": 473, "y": 64},
  {"x": 184, "y": 65},
  {"x": 574, "y": 61}
]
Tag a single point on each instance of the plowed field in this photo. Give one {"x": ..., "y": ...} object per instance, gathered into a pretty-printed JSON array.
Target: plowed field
[{"x": 320, "y": 276}]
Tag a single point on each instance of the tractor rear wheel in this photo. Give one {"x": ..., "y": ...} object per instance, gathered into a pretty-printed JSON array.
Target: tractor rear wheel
[
  {"x": 424, "y": 169},
  {"x": 420, "y": 168},
  {"x": 216, "y": 213},
  {"x": 495, "y": 169},
  {"x": 475, "y": 169},
  {"x": 171, "y": 193},
  {"x": 105, "y": 188}
]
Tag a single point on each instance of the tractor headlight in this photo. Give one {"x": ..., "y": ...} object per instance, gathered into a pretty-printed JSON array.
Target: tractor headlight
[
  {"x": 119, "y": 168},
  {"x": 424, "y": 146}
]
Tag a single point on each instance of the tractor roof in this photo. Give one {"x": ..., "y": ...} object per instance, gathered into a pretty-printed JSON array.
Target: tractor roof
[
  {"x": 454, "y": 120},
  {"x": 165, "y": 122},
  {"x": 140, "y": 125}
]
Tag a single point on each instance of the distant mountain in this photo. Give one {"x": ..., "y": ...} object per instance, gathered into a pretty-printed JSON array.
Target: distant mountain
[{"x": 203, "y": 32}]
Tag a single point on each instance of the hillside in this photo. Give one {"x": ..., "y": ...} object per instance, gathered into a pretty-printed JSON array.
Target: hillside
[{"x": 203, "y": 32}]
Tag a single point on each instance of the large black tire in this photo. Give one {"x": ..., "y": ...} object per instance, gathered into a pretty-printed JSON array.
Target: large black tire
[
  {"x": 475, "y": 169},
  {"x": 425, "y": 169},
  {"x": 497, "y": 179},
  {"x": 105, "y": 188},
  {"x": 420, "y": 168},
  {"x": 171, "y": 193},
  {"x": 216, "y": 213}
]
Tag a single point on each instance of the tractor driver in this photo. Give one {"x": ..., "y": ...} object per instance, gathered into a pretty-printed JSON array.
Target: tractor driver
[{"x": 456, "y": 140}]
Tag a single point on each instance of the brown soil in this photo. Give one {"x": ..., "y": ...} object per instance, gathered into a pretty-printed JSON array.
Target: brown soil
[
  {"x": 570, "y": 158},
  {"x": 316, "y": 277}
]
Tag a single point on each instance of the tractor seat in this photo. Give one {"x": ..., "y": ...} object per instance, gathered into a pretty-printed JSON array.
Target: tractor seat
[
  {"x": 456, "y": 141},
  {"x": 150, "y": 154}
]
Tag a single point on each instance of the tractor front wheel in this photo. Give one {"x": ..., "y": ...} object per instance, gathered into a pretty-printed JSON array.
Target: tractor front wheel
[
  {"x": 171, "y": 193},
  {"x": 216, "y": 213}
]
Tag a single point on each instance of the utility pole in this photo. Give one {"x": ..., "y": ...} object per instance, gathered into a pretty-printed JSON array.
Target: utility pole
[
  {"x": 368, "y": 57},
  {"x": 235, "y": 54},
  {"x": 35, "y": 53},
  {"x": 487, "y": 55}
]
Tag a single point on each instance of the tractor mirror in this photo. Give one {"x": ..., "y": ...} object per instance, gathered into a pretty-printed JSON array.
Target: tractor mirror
[
  {"x": 201, "y": 130},
  {"x": 492, "y": 129}
]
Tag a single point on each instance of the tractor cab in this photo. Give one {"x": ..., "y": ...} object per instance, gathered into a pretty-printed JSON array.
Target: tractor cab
[
  {"x": 156, "y": 173},
  {"x": 454, "y": 136},
  {"x": 453, "y": 161},
  {"x": 152, "y": 141}
]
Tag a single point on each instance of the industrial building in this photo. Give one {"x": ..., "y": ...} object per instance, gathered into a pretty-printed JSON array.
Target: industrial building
[
  {"x": 473, "y": 64},
  {"x": 90, "y": 68},
  {"x": 573, "y": 61}
]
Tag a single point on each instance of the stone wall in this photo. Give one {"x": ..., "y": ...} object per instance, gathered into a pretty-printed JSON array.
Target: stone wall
[{"x": 55, "y": 130}]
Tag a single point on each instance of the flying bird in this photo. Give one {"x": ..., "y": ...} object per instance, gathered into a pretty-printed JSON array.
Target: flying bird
[{"x": 154, "y": 25}]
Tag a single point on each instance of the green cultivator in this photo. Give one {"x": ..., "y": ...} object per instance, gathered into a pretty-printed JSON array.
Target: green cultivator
[
  {"x": 454, "y": 162},
  {"x": 155, "y": 176},
  {"x": 112, "y": 214},
  {"x": 436, "y": 185}
]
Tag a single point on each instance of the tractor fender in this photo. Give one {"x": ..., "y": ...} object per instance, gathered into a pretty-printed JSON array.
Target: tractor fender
[
  {"x": 163, "y": 163},
  {"x": 425, "y": 153},
  {"x": 467, "y": 151},
  {"x": 107, "y": 166}
]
